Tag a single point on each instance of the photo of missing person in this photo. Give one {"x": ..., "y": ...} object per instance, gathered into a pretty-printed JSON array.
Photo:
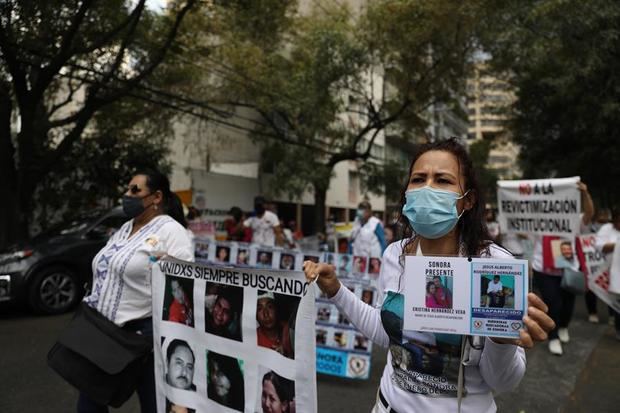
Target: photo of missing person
[
  {"x": 201, "y": 251},
  {"x": 438, "y": 292},
  {"x": 287, "y": 262},
  {"x": 374, "y": 267},
  {"x": 497, "y": 291},
  {"x": 178, "y": 303},
  {"x": 223, "y": 310},
  {"x": 180, "y": 362},
  {"x": 359, "y": 265},
  {"x": 361, "y": 343},
  {"x": 344, "y": 265},
  {"x": 321, "y": 337},
  {"x": 323, "y": 313},
  {"x": 367, "y": 296},
  {"x": 225, "y": 381},
  {"x": 277, "y": 394},
  {"x": 563, "y": 254},
  {"x": 314, "y": 258},
  {"x": 243, "y": 256},
  {"x": 222, "y": 254},
  {"x": 275, "y": 317},
  {"x": 330, "y": 258},
  {"x": 340, "y": 338},
  {"x": 175, "y": 408},
  {"x": 342, "y": 319},
  {"x": 264, "y": 259}
]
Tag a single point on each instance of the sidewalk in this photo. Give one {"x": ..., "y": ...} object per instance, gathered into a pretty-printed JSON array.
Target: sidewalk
[{"x": 598, "y": 386}]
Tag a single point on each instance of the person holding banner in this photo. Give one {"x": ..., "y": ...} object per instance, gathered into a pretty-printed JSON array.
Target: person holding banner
[
  {"x": 122, "y": 268},
  {"x": 443, "y": 215},
  {"x": 548, "y": 271},
  {"x": 606, "y": 239}
]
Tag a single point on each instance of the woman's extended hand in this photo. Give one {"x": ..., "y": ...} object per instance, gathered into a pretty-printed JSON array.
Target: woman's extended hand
[
  {"x": 327, "y": 279},
  {"x": 538, "y": 324}
]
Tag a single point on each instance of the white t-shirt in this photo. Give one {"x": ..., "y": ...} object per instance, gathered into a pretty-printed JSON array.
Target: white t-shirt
[
  {"x": 262, "y": 228},
  {"x": 606, "y": 234},
  {"x": 121, "y": 288},
  {"x": 489, "y": 367},
  {"x": 494, "y": 287}
]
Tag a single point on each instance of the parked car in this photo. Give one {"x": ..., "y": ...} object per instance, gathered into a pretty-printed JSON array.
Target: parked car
[{"x": 51, "y": 271}]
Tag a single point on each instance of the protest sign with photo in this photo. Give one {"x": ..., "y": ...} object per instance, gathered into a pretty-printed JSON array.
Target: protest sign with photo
[
  {"x": 597, "y": 268},
  {"x": 540, "y": 206},
  {"x": 456, "y": 295},
  {"x": 228, "y": 338}
]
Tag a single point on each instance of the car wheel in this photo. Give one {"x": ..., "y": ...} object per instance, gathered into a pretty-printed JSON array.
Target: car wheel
[{"x": 54, "y": 290}]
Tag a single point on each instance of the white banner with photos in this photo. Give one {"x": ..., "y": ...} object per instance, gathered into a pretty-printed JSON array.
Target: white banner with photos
[
  {"x": 539, "y": 206},
  {"x": 233, "y": 339},
  {"x": 341, "y": 350}
]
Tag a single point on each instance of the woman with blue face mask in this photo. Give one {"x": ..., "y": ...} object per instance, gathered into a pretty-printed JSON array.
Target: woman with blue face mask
[{"x": 443, "y": 215}]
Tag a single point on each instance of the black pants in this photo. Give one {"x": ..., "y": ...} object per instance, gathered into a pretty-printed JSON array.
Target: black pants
[
  {"x": 560, "y": 302},
  {"x": 146, "y": 387},
  {"x": 591, "y": 302}
]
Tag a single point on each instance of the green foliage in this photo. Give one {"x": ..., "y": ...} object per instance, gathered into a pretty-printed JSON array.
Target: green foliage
[{"x": 565, "y": 60}]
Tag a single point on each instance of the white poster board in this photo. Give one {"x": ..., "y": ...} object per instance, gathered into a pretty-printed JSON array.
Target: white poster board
[
  {"x": 539, "y": 206},
  {"x": 457, "y": 295},
  {"x": 598, "y": 272},
  {"x": 225, "y": 336}
]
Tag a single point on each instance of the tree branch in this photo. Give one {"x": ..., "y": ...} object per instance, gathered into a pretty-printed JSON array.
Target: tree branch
[
  {"x": 46, "y": 76},
  {"x": 10, "y": 57}
]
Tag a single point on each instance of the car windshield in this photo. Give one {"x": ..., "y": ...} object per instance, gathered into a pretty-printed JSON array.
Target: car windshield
[{"x": 75, "y": 225}]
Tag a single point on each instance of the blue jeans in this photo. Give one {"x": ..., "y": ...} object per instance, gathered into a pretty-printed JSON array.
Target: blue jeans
[{"x": 146, "y": 386}]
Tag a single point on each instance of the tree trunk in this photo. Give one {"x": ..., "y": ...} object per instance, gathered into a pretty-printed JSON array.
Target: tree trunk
[
  {"x": 10, "y": 229},
  {"x": 320, "y": 199}
]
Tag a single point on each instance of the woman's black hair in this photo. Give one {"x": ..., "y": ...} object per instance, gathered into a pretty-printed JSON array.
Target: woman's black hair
[
  {"x": 471, "y": 228},
  {"x": 428, "y": 285},
  {"x": 156, "y": 181},
  {"x": 228, "y": 366},
  {"x": 285, "y": 388}
]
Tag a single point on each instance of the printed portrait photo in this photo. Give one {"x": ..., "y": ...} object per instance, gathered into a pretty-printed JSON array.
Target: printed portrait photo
[
  {"x": 368, "y": 296},
  {"x": 323, "y": 313},
  {"x": 277, "y": 394},
  {"x": 340, "y": 339},
  {"x": 178, "y": 301},
  {"x": 344, "y": 265},
  {"x": 321, "y": 337},
  {"x": 343, "y": 320},
  {"x": 180, "y": 362},
  {"x": 222, "y": 254},
  {"x": 287, "y": 262},
  {"x": 243, "y": 256},
  {"x": 223, "y": 310},
  {"x": 439, "y": 292},
  {"x": 275, "y": 320},
  {"x": 176, "y": 408},
  {"x": 264, "y": 259},
  {"x": 201, "y": 251},
  {"x": 311, "y": 257},
  {"x": 497, "y": 291},
  {"x": 361, "y": 343},
  {"x": 225, "y": 381},
  {"x": 374, "y": 267},
  {"x": 564, "y": 256},
  {"x": 359, "y": 265},
  {"x": 330, "y": 258}
]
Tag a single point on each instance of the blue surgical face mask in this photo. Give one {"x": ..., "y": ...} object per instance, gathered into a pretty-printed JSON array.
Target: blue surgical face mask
[{"x": 431, "y": 212}]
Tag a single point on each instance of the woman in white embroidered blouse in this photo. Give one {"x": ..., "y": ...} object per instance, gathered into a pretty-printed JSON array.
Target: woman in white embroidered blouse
[
  {"x": 121, "y": 289},
  {"x": 443, "y": 213}
]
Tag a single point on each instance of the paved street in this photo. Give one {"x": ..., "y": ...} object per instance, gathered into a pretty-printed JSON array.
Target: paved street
[{"x": 584, "y": 379}]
